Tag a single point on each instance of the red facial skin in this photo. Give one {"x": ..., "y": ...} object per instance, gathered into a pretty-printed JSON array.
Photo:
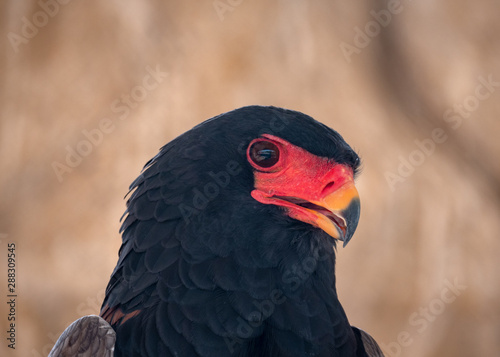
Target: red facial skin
[{"x": 301, "y": 177}]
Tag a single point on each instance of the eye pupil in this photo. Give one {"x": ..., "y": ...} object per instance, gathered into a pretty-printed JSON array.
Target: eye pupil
[{"x": 264, "y": 154}]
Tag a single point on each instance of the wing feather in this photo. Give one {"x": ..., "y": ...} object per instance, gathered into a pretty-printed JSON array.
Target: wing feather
[{"x": 88, "y": 336}]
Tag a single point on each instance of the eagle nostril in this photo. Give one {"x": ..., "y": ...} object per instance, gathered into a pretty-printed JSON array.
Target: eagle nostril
[{"x": 328, "y": 188}]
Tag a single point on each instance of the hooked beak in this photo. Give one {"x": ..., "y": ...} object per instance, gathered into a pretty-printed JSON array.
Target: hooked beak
[{"x": 336, "y": 213}]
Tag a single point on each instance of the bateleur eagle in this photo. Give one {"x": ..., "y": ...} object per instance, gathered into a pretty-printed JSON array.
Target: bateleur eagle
[{"x": 229, "y": 246}]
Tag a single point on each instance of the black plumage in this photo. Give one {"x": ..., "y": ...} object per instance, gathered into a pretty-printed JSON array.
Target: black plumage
[{"x": 206, "y": 270}]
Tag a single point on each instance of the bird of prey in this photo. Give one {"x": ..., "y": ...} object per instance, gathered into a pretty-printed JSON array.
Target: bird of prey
[{"x": 229, "y": 242}]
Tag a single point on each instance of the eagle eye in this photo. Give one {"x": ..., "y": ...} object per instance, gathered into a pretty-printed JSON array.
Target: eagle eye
[{"x": 264, "y": 153}]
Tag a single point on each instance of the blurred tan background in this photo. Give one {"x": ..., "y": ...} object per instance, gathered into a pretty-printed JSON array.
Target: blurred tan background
[{"x": 413, "y": 86}]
